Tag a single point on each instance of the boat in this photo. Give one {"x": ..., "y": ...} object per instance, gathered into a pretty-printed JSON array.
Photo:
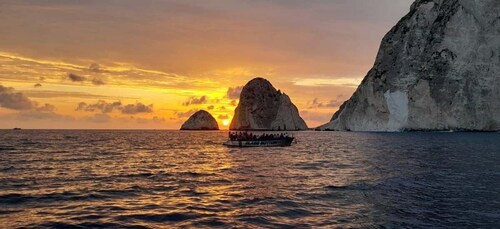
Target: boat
[
  {"x": 265, "y": 140},
  {"x": 260, "y": 143},
  {"x": 17, "y": 128}
]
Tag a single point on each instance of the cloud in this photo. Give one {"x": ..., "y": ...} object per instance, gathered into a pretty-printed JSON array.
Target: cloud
[
  {"x": 37, "y": 85},
  {"x": 233, "y": 103},
  {"x": 315, "y": 103},
  {"x": 137, "y": 108},
  {"x": 186, "y": 114},
  {"x": 28, "y": 109},
  {"x": 11, "y": 99},
  {"x": 211, "y": 107},
  {"x": 223, "y": 116},
  {"x": 45, "y": 112},
  {"x": 69, "y": 94},
  {"x": 46, "y": 108},
  {"x": 42, "y": 115},
  {"x": 155, "y": 119},
  {"x": 101, "y": 105},
  {"x": 96, "y": 68},
  {"x": 105, "y": 107},
  {"x": 334, "y": 103},
  {"x": 196, "y": 101},
  {"x": 98, "y": 82},
  {"x": 99, "y": 118},
  {"x": 76, "y": 78},
  {"x": 222, "y": 108},
  {"x": 234, "y": 92}
]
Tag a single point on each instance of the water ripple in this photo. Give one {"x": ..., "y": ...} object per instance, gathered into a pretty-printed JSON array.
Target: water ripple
[{"x": 157, "y": 179}]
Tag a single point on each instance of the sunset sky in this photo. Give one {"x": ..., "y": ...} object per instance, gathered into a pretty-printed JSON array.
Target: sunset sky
[{"x": 152, "y": 63}]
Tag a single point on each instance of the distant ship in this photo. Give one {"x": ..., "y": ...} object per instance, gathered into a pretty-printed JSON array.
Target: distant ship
[{"x": 17, "y": 128}]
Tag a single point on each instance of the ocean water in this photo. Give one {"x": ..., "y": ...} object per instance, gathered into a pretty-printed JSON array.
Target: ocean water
[{"x": 150, "y": 179}]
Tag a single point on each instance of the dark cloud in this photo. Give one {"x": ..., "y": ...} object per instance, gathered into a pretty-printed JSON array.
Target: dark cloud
[
  {"x": 334, "y": 103},
  {"x": 196, "y": 101},
  {"x": 316, "y": 104},
  {"x": 99, "y": 118},
  {"x": 234, "y": 92},
  {"x": 37, "y": 85},
  {"x": 137, "y": 108},
  {"x": 11, "y": 99},
  {"x": 101, "y": 105},
  {"x": 46, "y": 108},
  {"x": 96, "y": 68},
  {"x": 69, "y": 94},
  {"x": 186, "y": 114},
  {"x": 28, "y": 109},
  {"x": 45, "y": 112},
  {"x": 105, "y": 107},
  {"x": 222, "y": 108},
  {"x": 98, "y": 82},
  {"x": 76, "y": 78},
  {"x": 211, "y": 107}
]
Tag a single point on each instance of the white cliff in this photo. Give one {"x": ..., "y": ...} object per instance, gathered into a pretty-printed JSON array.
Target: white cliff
[
  {"x": 437, "y": 69},
  {"x": 262, "y": 107},
  {"x": 200, "y": 120}
]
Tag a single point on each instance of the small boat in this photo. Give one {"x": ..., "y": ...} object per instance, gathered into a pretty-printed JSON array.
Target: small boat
[
  {"x": 246, "y": 139},
  {"x": 17, "y": 128},
  {"x": 260, "y": 143}
]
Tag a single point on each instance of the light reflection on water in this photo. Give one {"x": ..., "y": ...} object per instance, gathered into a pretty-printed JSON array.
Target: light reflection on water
[{"x": 173, "y": 178}]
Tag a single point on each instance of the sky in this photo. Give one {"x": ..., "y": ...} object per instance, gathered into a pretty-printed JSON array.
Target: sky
[{"x": 150, "y": 64}]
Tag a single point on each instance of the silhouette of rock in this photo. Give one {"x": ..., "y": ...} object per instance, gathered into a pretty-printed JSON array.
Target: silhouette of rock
[
  {"x": 262, "y": 107},
  {"x": 200, "y": 120}
]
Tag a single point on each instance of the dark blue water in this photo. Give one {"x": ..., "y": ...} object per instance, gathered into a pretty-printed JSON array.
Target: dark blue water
[{"x": 188, "y": 179}]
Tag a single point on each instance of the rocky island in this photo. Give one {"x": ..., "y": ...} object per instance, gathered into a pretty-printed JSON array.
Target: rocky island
[
  {"x": 437, "y": 69},
  {"x": 201, "y": 120},
  {"x": 262, "y": 107}
]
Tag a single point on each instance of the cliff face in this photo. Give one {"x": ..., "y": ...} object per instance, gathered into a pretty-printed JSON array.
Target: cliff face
[
  {"x": 437, "y": 69},
  {"x": 263, "y": 107},
  {"x": 200, "y": 120}
]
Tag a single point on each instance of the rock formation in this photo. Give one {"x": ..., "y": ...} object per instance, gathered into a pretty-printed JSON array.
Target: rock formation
[
  {"x": 437, "y": 69},
  {"x": 200, "y": 120},
  {"x": 262, "y": 107}
]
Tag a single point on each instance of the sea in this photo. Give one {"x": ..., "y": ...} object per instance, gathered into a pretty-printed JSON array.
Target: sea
[{"x": 168, "y": 179}]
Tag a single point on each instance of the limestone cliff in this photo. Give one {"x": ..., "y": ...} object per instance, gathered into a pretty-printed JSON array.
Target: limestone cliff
[
  {"x": 262, "y": 107},
  {"x": 200, "y": 120},
  {"x": 437, "y": 69}
]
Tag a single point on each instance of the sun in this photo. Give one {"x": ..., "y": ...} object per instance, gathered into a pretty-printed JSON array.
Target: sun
[{"x": 225, "y": 122}]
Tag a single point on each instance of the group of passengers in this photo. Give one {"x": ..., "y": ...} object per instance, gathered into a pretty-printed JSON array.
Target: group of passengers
[{"x": 246, "y": 136}]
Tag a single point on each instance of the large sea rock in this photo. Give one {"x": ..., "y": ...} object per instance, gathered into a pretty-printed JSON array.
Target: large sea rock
[
  {"x": 262, "y": 107},
  {"x": 201, "y": 120},
  {"x": 437, "y": 69}
]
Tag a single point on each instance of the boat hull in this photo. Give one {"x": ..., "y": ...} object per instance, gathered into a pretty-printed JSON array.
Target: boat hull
[{"x": 260, "y": 143}]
